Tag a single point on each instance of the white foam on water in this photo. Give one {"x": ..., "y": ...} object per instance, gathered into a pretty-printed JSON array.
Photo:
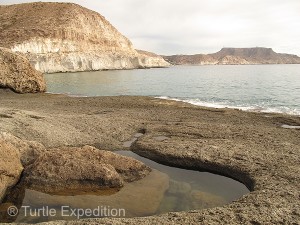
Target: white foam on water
[
  {"x": 68, "y": 94},
  {"x": 220, "y": 105},
  {"x": 217, "y": 105},
  {"x": 290, "y": 127}
]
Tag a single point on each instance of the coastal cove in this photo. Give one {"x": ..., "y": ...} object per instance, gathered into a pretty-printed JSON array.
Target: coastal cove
[
  {"x": 159, "y": 112},
  {"x": 262, "y": 154},
  {"x": 260, "y": 88}
]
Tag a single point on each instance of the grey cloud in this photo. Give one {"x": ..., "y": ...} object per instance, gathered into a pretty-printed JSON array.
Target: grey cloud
[{"x": 202, "y": 26}]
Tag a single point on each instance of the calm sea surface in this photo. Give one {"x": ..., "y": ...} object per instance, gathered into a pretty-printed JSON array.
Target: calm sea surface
[{"x": 266, "y": 88}]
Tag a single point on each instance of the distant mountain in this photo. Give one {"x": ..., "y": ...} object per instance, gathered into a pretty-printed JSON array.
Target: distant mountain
[
  {"x": 62, "y": 37},
  {"x": 235, "y": 56}
]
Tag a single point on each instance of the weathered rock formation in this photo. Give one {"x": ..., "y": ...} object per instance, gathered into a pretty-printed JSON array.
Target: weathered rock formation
[
  {"x": 17, "y": 74},
  {"x": 235, "y": 56},
  {"x": 87, "y": 168},
  {"x": 10, "y": 167},
  {"x": 16, "y": 154},
  {"x": 28, "y": 151},
  {"x": 61, "y": 37}
]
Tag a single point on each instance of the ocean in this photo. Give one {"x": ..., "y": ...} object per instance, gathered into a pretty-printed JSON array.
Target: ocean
[{"x": 262, "y": 88}]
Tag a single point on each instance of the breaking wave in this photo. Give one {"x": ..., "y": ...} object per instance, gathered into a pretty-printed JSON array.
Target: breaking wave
[{"x": 252, "y": 108}]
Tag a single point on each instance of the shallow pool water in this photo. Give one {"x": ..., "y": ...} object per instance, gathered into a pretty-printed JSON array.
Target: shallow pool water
[{"x": 165, "y": 189}]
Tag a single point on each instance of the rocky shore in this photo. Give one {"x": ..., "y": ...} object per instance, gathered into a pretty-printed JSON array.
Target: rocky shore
[{"x": 251, "y": 147}]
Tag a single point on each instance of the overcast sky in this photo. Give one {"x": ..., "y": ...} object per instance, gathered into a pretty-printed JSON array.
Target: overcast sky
[{"x": 201, "y": 26}]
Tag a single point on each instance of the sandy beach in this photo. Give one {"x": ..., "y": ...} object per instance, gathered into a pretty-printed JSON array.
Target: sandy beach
[{"x": 250, "y": 147}]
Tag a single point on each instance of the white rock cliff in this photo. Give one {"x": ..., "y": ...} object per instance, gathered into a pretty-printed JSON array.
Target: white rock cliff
[{"x": 62, "y": 37}]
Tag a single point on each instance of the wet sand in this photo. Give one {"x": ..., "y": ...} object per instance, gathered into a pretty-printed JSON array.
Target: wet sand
[{"x": 253, "y": 148}]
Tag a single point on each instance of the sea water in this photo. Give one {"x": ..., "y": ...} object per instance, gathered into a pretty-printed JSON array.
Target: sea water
[{"x": 265, "y": 88}]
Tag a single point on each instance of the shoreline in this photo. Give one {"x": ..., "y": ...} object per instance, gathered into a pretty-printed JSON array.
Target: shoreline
[
  {"x": 203, "y": 104},
  {"x": 220, "y": 106},
  {"x": 246, "y": 146}
]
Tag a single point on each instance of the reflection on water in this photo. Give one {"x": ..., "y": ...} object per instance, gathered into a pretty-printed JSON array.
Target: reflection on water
[
  {"x": 166, "y": 189},
  {"x": 218, "y": 185}
]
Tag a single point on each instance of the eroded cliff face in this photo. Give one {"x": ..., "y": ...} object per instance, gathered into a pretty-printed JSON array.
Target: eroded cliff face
[
  {"x": 235, "y": 56},
  {"x": 61, "y": 37}
]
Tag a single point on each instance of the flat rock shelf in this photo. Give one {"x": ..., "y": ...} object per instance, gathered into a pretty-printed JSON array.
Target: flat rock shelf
[
  {"x": 247, "y": 146},
  {"x": 165, "y": 189}
]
